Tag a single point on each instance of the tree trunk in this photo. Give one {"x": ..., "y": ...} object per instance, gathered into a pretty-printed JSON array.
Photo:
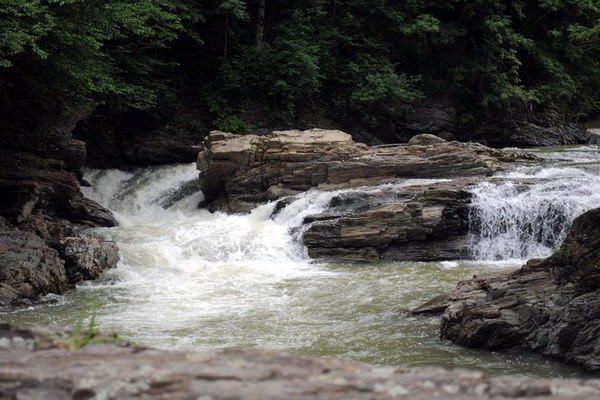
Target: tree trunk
[
  {"x": 260, "y": 23},
  {"x": 226, "y": 37}
]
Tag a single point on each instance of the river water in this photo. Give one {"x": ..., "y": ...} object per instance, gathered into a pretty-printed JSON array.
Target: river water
[{"x": 189, "y": 279}]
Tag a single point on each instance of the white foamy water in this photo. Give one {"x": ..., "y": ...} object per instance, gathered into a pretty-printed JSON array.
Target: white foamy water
[
  {"x": 181, "y": 265},
  {"x": 529, "y": 214},
  {"x": 191, "y": 279}
]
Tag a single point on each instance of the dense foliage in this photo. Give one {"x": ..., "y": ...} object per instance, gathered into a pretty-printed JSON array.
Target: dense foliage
[{"x": 371, "y": 58}]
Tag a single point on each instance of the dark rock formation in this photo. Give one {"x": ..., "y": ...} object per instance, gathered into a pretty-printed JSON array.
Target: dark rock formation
[
  {"x": 134, "y": 138},
  {"x": 86, "y": 258},
  {"x": 416, "y": 223},
  {"x": 48, "y": 256},
  {"x": 33, "y": 367},
  {"x": 440, "y": 115},
  {"x": 550, "y": 306},
  {"x": 43, "y": 212},
  {"x": 238, "y": 172},
  {"x": 28, "y": 267},
  {"x": 549, "y": 128},
  {"x": 436, "y": 115}
]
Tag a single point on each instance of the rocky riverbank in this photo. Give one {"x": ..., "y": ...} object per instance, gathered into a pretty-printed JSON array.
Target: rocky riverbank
[
  {"x": 550, "y": 306},
  {"x": 33, "y": 365},
  {"x": 44, "y": 247}
]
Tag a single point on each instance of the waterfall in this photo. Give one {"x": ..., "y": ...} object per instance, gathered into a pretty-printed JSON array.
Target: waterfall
[
  {"x": 529, "y": 213},
  {"x": 195, "y": 280}
]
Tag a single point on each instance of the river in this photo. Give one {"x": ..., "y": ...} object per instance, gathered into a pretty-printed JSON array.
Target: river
[{"x": 190, "y": 279}]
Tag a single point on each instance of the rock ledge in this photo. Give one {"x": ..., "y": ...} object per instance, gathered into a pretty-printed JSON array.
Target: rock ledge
[{"x": 31, "y": 368}]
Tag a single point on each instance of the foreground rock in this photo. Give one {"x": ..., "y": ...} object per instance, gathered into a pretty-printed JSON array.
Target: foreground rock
[
  {"x": 32, "y": 367},
  {"x": 551, "y": 306},
  {"x": 238, "y": 172}
]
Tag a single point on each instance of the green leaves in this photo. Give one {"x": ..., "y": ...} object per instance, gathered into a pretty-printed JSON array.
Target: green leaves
[
  {"x": 236, "y": 8},
  {"x": 371, "y": 58},
  {"x": 83, "y": 51},
  {"x": 383, "y": 93}
]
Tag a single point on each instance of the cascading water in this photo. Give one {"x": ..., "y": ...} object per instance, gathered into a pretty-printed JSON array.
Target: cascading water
[
  {"x": 191, "y": 279},
  {"x": 528, "y": 215}
]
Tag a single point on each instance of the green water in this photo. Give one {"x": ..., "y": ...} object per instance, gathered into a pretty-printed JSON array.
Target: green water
[{"x": 352, "y": 312}]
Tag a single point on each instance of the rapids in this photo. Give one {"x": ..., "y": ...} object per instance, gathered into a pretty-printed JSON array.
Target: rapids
[{"x": 191, "y": 279}]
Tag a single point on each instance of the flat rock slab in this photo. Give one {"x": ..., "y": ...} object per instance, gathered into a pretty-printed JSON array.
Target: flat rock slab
[
  {"x": 239, "y": 172},
  {"x": 30, "y": 368}
]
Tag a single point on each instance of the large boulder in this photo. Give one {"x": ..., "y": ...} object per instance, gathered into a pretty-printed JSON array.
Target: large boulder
[
  {"x": 87, "y": 257},
  {"x": 238, "y": 172},
  {"x": 413, "y": 223},
  {"x": 45, "y": 256},
  {"x": 35, "y": 367},
  {"x": 28, "y": 268},
  {"x": 550, "y": 306}
]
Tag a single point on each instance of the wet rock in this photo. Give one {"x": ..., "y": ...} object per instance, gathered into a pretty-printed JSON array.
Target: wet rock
[
  {"x": 550, "y": 306},
  {"x": 85, "y": 211},
  {"x": 33, "y": 367},
  {"x": 45, "y": 255},
  {"x": 425, "y": 139},
  {"x": 42, "y": 201},
  {"x": 414, "y": 223},
  {"x": 28, "y": 268},
  {"x": 44, "y": 185},
  {"x": 247, "y": 170},
  {"x": 41, "y": 166},
  {"x": 86, "y": 257}
]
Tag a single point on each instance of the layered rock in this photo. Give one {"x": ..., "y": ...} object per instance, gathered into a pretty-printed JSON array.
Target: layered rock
[
  {"x": 238, "y": 172},
  {"x": 43, "y": 213},
  {"x": 413, "y": 223},
  {"x": 423, "y": 222},
  {"x": 550, "y": 306},
  {"x": 32, "y": 366}
]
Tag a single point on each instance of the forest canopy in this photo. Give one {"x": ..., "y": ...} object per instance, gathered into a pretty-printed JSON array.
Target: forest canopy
[{"x": 373, "y": 58}]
